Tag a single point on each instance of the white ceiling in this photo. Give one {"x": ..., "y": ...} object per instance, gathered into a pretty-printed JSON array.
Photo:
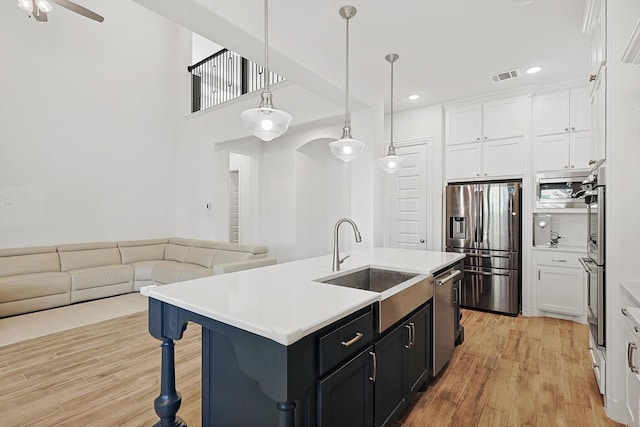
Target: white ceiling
[{"x": 448, "y": 48}]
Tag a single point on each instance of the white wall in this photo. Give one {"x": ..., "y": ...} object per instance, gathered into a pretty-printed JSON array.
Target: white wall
[
  {"x": 87, "y": 125},
  {"x": 322, "y": 198}
]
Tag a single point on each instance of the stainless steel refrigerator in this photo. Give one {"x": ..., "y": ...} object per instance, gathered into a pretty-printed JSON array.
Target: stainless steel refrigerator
[{"x": 483, "y": 221}]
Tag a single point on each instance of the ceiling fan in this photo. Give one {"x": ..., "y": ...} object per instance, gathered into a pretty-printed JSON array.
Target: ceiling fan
[{"x": 39, "y": 9}]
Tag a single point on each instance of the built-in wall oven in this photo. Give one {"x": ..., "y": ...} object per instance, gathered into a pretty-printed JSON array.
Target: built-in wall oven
[{"x": 594, "y": 264}]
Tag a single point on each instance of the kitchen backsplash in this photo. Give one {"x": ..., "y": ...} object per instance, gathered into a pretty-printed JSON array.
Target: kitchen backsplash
[{"x": 571, "y": 227}]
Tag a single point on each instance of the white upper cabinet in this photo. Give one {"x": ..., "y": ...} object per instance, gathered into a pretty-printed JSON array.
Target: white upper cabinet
[
  {"x": 565, "y": 111},
  {"x": 595, "y": 25},
  {"x": 505, "y": 118},
  {"x": 562, "y": 122},
  {"x": 486, "y": 140},
  {"x": 464, "y": 124}
]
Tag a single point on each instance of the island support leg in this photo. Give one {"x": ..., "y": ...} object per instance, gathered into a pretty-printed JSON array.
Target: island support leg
[
  {"x": 168, "y": 403},
  {"x": 287, "y": 415}
]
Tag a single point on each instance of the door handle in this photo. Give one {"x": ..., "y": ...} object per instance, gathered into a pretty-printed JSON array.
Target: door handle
[{"x": 421, "y": 240}]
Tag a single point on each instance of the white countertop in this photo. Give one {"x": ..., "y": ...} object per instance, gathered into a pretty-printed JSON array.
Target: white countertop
[
  {"x": 283, "y": 302},
  {"x": 562, "y": 248},
  {"x": 632, "y": 290}
]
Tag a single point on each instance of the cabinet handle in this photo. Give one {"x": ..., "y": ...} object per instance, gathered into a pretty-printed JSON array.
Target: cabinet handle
[
  {"x": 573, "y": 166},
  {"x": 375, "y": 367},
  {"x": 592, "y": 162},
  {"x": 624, "y": 312},
  {"x": 630, "y": 347},
  {"x": 478, "y": 139},
  {"x": 485, "y": 174},
  {"x": 594, "y": 365},
  {"x": 592, "y": 77},
  {"x": 485, "y": 137},
  {"x": 477, "y": 174},
  {"x": 408, "y": 345},
  {"x": 566, "y": 166},
  {"x": 413, "y": 334},
  {"x": 573, "y": 128},
  {"x": 559, "y": 260},
  {"x": 636, "y": 329},
  {"x": 352, "y": 340},
  {"x": 566, "y": 129}
]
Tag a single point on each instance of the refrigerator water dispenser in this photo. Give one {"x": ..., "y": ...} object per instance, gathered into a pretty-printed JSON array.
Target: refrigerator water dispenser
[{"x": 458, "y": 227}]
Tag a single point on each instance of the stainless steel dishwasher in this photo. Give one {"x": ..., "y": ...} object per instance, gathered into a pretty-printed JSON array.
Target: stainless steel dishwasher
[{"x": 445, "y": 299}]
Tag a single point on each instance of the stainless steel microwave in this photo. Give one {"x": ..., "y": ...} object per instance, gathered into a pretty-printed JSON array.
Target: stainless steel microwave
[{"x": 560, "y": 190}]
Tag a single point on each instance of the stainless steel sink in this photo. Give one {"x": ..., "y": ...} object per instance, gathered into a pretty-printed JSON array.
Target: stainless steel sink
[
  {"x": 416, "y": 290},
  {"x": 371, "y": 279}
]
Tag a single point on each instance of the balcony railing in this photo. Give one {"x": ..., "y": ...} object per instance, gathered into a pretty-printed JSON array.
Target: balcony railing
[{"x": 224, "y": 76}]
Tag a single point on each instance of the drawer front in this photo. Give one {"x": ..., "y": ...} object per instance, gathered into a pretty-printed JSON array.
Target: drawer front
[
  {"x": 559, "y": 259},
  {"x": 345, "y": 341}
]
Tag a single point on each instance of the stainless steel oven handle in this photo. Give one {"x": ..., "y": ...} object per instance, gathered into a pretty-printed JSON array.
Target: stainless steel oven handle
[
  {"x": 585, "y": 264},
  {"x": 451, "y": 276}
]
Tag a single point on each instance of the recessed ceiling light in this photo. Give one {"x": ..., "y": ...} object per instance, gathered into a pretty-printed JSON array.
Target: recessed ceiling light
[
  {"x": 413, "y": 97},
  {"x": 533, "y": 70}
]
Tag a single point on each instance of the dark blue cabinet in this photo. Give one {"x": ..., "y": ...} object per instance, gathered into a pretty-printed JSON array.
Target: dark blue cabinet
[
  {"x": 345, "y": 397},
  {"x": 419, "y": 349}
]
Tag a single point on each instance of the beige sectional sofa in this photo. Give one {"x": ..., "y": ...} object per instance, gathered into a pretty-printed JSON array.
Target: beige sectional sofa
[{"x": 38, "y": 278}]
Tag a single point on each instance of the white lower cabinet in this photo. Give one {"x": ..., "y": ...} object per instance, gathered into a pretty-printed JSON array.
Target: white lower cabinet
[
  {"x": 560, "y": 283},
  {"x": 632, "y": 379},
  {"x": 631, "y": 317}
]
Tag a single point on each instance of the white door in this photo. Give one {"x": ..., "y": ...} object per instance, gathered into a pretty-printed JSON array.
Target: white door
[{"x": 407, "y": 197}]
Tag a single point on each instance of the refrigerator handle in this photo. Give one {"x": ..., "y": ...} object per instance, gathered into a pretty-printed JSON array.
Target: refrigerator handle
[
  {"x": 480, "y": 215},
  {"x": 475, "y": 218}
]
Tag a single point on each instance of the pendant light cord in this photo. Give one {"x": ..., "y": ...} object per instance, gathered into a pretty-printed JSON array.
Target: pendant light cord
[
  {"x": 266, "y": 45},
  {"x": 347, "y": 118},
  {"x": 391, "y": 144}
]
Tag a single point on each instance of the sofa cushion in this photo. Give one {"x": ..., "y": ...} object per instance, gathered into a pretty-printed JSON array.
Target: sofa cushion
[
  {"x": 171, "y": 272},
  {"x": 201, "y": 256},
  {"x": 105, "y": 275},
  {"x": 175, "y": 252},
  {"x": 132, "y": 254},
  {"x": 223, "y": 257},
  {"x": 143, "y": 269},
  {"x": 25, "y": 286},
  {"x": 86, "y": 255},
  {"x": 29, "y": 263}
]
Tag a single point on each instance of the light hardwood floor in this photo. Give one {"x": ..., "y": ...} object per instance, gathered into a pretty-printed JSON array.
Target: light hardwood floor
[{"x": 509, "y": 372}]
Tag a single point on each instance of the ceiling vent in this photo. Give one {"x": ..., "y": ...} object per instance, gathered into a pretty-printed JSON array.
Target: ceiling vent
[{"x": 505, "y": 75}]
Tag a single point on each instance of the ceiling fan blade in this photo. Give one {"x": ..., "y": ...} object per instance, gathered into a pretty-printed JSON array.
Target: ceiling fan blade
[
  {"x": 38, "y": 15},
  {"x": 79, "y": 9}
]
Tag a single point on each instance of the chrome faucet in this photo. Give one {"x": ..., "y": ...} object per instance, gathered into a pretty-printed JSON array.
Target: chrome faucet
[{"x": 336, "y": 256}]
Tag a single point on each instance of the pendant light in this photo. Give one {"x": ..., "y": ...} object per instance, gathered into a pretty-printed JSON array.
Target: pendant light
[
  {"x": 391, "y": 162},
  {"x": 347, "y": 148},
  {"x": 266, "y": 122}
]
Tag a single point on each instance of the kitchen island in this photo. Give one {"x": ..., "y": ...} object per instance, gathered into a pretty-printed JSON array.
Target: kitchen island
[{"x": 269, "y": 354}]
